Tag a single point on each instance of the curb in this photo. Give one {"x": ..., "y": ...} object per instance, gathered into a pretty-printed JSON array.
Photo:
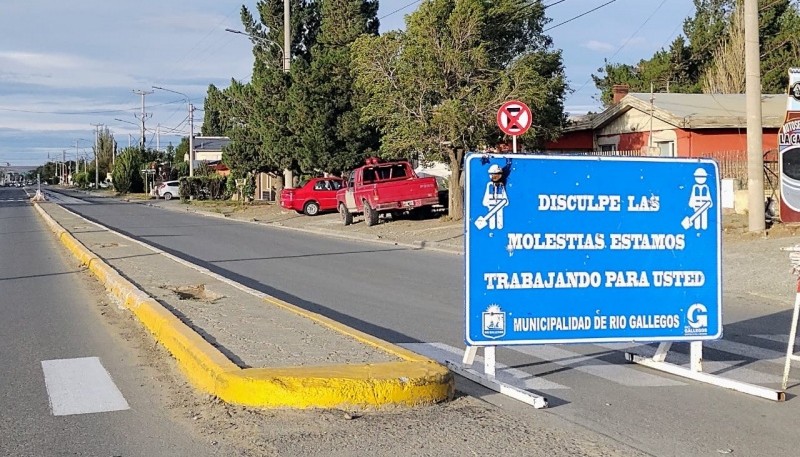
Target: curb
[
  {"x": 413, "y": 380},
  {"x": 427, "y": 245}
]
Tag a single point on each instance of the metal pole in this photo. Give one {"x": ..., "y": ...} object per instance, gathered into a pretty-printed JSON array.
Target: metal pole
[
  {"x": 755, "y": 159},
  {"x": 191, "y": 140},
  {"x": 96, "y": 156},
  {"x": 287, "y": 36}
]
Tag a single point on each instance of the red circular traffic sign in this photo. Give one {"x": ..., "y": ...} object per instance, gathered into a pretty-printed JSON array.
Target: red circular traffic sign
[{"x": 514, "y": 118}]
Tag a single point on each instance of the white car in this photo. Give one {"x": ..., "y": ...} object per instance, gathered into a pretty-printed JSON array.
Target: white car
[{"x": 168, "y": 189}]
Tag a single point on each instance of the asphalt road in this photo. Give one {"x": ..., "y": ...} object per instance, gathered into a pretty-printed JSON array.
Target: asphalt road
[
  {"x": 414, "y": 298},
  {"x": 70, "y": 384}
]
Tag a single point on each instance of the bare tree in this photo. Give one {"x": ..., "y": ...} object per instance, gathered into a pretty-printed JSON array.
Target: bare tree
[{"x": 726, "y": 74}]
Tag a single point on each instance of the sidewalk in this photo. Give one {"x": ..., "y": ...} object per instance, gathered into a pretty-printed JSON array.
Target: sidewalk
[{"x": 242, "y": 345}]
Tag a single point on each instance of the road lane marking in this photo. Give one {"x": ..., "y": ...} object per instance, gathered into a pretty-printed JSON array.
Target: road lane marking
[
  {"x": 513, "y": 376},
  {"x": 81, "y": 386},
  {"x": 731, "y": 369},
  {"x": 590, "y": 364}
]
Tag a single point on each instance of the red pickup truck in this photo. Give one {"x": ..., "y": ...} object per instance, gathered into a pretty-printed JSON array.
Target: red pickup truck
[{"x": 383, "y": 187}]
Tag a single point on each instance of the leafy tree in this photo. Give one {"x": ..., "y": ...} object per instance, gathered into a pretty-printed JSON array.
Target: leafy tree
[
  {"x": 710, "y": 56},
  {"x": 105, "y": 149},
  {"x": 435, "y": 88},
  {"x": 81, "y": 179},
  {"x": 325, "y": 121},
  {"x": 127, "y": 167},
  {"x": 213, "y": 113},
  {"x": 255, "y": 115}
]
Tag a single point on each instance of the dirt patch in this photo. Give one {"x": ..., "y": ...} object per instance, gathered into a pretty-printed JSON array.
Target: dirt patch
[{"x": 195, "y": 292}]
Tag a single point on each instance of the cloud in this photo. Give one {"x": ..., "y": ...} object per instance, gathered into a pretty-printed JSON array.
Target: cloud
[{"x": 599, "y": 46}]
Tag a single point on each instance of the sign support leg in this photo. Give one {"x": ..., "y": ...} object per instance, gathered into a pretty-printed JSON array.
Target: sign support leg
[
  {"x": 489, "y": 361},
  {"x": 792, "y": 335},
  {"x": 488, "y": 377},
  {"x": 514, "y": 142},
  {"x": 469, "y": 356},
  {"x": 696, "y": 356},
  {"x": 695, "y": 371},
  {"x": 661, "y": 352}
]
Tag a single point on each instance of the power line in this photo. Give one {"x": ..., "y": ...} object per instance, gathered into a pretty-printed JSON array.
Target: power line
[
  {"x": 625, "y": 43},
  {"x": 579, "y": 16},
  {"x": 400, "y": 9}
]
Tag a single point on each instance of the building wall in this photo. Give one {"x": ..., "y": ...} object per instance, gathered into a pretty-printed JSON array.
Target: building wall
[
  {"x": 692, "y": 143},
  {"x": 581, "y": 140},
  {"x": 208, "y": 155},
  {"x": 631, "y": 132}
]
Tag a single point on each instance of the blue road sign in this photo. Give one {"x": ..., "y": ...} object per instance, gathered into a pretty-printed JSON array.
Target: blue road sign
[{"x": 567, "y": 249}]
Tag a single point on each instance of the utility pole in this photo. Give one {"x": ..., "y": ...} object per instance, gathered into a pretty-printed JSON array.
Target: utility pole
[
  {"x": 287, "y": 36},
  {"x": 63, "y": 166},
  {"x": 144, "y": 115},
  {"x": 755, "y": 158},
  {"x": 191, "y": 140},
  {"x": 96, "y": 155},
  {"x": 288, "y": 174}
]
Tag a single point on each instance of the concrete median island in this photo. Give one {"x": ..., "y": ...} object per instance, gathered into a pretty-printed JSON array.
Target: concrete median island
[{"x": 244, "y": 346}]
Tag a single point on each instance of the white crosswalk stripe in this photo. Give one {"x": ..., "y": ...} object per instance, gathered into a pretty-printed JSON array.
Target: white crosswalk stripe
[
  {"x": 617, "y": 373},
  {"x": 81, "y": 386},
  {"x": 783, "y": 339},
  {"x": 737, "y": 370},
  {"x": 757, "y": 366}
]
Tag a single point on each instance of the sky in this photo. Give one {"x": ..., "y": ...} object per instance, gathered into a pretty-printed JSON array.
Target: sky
[{"x": 68, "y": 65}]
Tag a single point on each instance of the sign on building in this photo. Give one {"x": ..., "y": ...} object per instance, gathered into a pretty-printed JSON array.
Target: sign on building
[
  {"x": 565, "y": 249},
  {"x": 789, "y": 151}
]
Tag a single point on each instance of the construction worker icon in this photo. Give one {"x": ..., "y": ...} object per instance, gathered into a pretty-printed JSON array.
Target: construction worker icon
[
  {"x": 699, "y": 201},
  {"x": 494, "y": 199}
]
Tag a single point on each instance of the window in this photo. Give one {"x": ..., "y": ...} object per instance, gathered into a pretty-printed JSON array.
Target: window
[
  {"x": 666, "y": 148},
  {"x": 608, "y": 147},
  {"x": 368, "y": 175}
]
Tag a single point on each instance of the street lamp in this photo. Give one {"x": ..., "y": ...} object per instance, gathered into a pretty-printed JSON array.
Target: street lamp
[
  {"x": 191, "y": 127},
  {"x": 284, "y": 58}
]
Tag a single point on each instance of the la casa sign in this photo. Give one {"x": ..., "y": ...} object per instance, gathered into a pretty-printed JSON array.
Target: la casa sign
[{"x": 789, "y": 134}]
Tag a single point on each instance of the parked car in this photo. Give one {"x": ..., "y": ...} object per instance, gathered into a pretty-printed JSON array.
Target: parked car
[
  {"x": 312, "y": 196},
  {"x": 388, "y": 187},
  {"x": 168, "y": 189}
]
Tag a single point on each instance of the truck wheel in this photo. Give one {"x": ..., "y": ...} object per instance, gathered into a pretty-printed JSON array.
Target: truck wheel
[
  {"x": 311, "y": 208},
  {"x": 370, "y": 215},
  {"x": 347, "y": 216}
]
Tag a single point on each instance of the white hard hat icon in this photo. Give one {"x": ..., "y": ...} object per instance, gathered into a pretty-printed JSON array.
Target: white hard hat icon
[
  {"x": 700, "y": 173},
  {"x": 495, "y": 169}
]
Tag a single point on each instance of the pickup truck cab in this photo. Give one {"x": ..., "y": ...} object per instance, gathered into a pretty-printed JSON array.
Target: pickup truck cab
[
  {"x": 385, "y": 187},
  {"x": 313, "y": 196}
]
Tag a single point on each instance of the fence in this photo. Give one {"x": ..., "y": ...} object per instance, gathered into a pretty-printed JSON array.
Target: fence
[{"x": 732, "y": 164}]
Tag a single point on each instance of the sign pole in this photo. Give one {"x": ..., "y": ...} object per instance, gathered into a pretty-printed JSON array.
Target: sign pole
[{"x": 514, "y": 142}]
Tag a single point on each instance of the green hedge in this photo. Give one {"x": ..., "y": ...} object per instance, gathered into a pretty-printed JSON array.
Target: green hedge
[{"x": 202, "y": 187}]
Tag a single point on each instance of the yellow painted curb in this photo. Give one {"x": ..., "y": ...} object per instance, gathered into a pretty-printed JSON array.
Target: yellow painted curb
[{"x": 412, "y": 380}]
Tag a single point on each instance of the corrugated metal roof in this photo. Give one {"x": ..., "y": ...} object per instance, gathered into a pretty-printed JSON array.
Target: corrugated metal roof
[
  {"x": 691, "y": 111},
  {"x": 710, "y": 110}
]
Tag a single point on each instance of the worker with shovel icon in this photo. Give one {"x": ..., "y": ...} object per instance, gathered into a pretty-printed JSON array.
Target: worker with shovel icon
[
  {"x": 494, "y": 199},
  {"x": 699, "y": 201}
]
